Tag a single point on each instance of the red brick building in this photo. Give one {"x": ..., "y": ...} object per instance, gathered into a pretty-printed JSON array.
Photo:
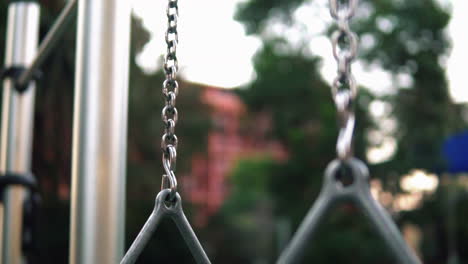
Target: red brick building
[{"x": 234, "y": 135}]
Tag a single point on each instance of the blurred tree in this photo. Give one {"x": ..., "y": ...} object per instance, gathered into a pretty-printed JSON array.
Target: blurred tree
[
  {"x": 289, "y": 87},
  {"x": 406, "y": 38}
]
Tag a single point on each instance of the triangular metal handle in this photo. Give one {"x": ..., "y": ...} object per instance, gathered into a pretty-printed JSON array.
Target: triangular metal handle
[
  {"x": 175, "y": 212},
  {"x": 358, "y": 192}
]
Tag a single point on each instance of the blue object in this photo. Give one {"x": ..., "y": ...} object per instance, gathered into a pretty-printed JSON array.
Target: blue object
[{"x": 455, "y": 151}]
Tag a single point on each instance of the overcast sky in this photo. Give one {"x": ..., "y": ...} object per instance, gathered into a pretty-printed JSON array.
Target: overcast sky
[{"x": 215, "y": 51}]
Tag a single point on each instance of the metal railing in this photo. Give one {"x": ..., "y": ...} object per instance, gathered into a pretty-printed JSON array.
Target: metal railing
[{"x": 100, "y": 116}]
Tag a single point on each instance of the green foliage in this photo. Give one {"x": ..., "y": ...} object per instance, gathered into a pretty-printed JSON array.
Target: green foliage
[
  {"x": 413, "y": 43},
  {"x": 409, "y": 37},
  {"x": 247, "y": 187},
  {"x": 255, "y": 13},
  {"x": 402, "y": 37},
  {"x": 288, "y": 85}
]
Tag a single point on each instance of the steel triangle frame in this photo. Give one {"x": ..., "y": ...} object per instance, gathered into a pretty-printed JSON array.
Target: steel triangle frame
[
  {"x": 175, "y": 212},
  {"x": 359, "y": 193}
]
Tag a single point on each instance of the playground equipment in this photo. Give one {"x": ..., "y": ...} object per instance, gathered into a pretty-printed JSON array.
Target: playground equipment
[{"x": 99, "y": 133}]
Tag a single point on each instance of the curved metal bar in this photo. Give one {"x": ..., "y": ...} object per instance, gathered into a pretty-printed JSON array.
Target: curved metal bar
[
  {"x": 143, "y": 237},
  {"x": 190, "y": 238},
  {"x": 358, "y": 192},
  {"x": 387, "y": 229},
  {"x": 307, "y": 230},
  {"x": 175, "y": 212}
]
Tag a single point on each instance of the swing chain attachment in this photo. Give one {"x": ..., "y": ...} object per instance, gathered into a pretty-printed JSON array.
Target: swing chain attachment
[
  {"x": 344, "y": 87},
  {"x": 170, "y": 91}
]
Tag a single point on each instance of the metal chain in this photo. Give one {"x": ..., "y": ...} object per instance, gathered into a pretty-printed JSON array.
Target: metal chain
[
  {"x": 344, "y": 88},
  {"x": 170, "y": 91}
]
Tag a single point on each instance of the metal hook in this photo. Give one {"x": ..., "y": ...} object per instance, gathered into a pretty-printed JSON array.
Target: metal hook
[
  {"x": 173, "y": 209},
  {"x": 343, "y": 100},
  {"x": 169, "y": 180},
  {"x": 358, "y": 191}
]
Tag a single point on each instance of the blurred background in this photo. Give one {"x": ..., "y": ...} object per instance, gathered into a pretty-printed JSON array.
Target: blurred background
[{"x": 258, "y": 127}]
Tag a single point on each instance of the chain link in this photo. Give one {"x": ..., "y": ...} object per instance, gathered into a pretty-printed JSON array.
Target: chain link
[
  {"x": 170, "y": 90},
  {"x": 344, "y": 88}
]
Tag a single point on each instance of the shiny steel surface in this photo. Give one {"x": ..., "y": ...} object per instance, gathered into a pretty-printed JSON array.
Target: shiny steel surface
[
  {"x": 100, "y": 132},
  {"x": 17, "y": 123},
  {"x": 170, "y": 91},
  {"x": 168, "y": 202}
]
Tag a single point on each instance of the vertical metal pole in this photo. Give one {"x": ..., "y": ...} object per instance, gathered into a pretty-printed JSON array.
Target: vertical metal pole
[
  {"x": 100, "y": 132},
  {"x": 17, "y": 124}
]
